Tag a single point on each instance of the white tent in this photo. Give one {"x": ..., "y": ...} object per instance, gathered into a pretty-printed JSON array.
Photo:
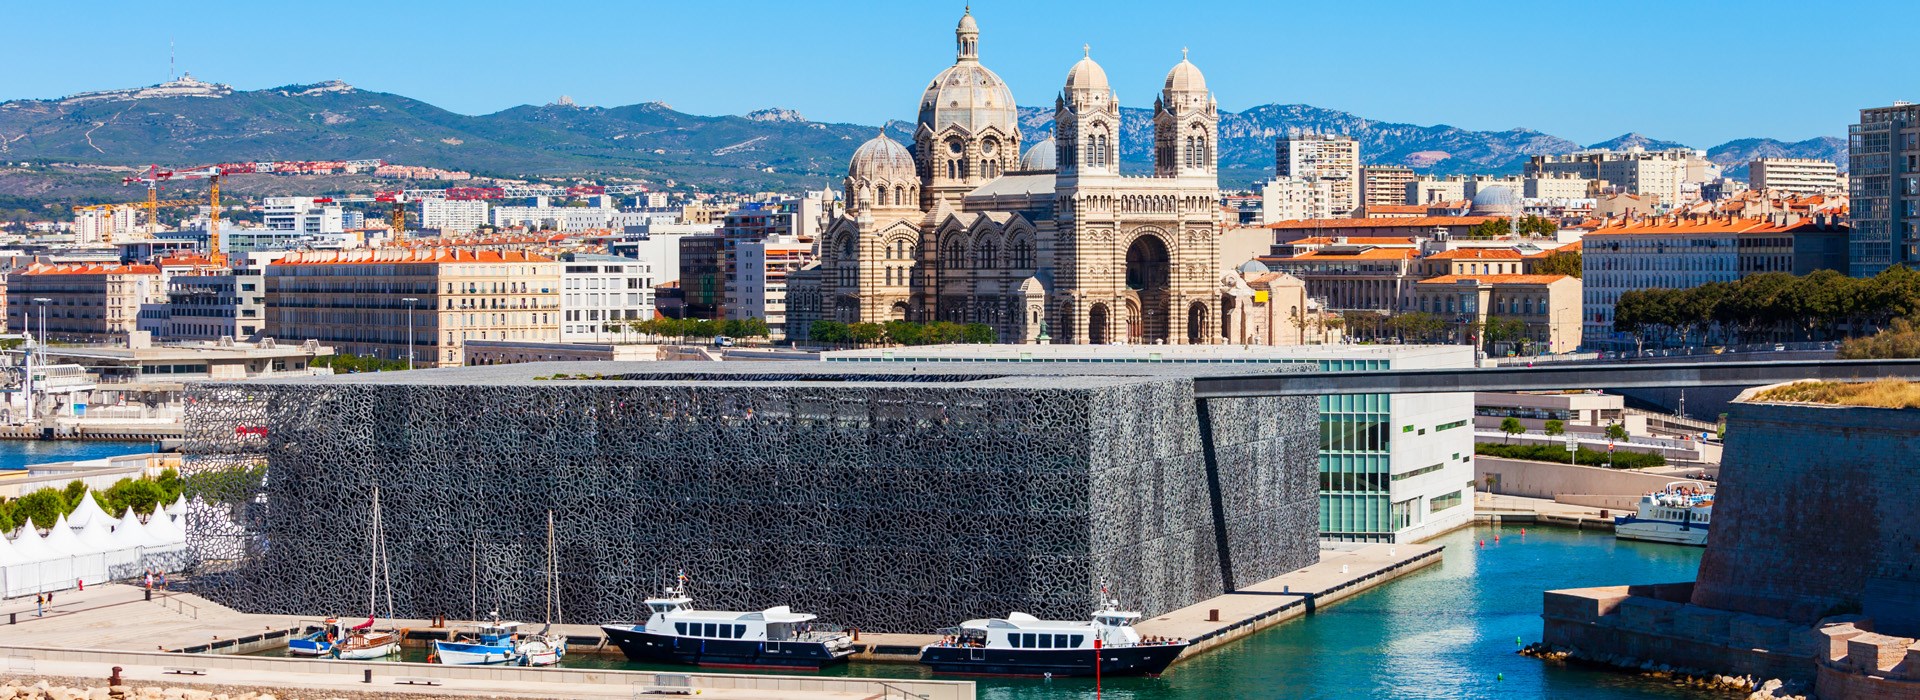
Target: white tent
[
  {"x": 28, "y": 546},
  {"x": 129, "y": 533},
  {"x": 163, "y": 530},
  {"x": 7, "y": 555},
  {"x": 97, "y": 535},
  {"x": 178, "y": 510},
  {"x": 88, "y": 511},
  {"x": 63, "y": 543}
]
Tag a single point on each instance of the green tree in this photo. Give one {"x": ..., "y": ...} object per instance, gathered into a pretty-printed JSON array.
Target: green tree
[
  {"x": 1616, "y": 431},
  {"x": 42, "y": 507},
  {"x": 1560, "y": 263},
  {"x": 866, "y": 333},
  {"x": 1556, "y": 427},
  {"x": 978, "y": 334},
  {"x": 830, "y": 333},
  {"x": 1511, "y": 426},
  {"x": 753, "y": 328}
]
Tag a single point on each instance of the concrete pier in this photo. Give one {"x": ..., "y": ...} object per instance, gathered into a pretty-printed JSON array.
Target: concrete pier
[{"x": 1341, "y": 573}]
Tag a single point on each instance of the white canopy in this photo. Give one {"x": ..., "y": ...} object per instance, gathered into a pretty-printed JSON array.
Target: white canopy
[
  {"x": 179, "y": 509},
  {"x": 97, "y": 535},
  {"x": 7, "y": 555},
  {"x": 88, "y": 511},
  {"x": 28, "y": 546},
  {"x": 61, "y": 541},
  {"x": 130, "y": 533},
  {"x": 164, "y": 530}
]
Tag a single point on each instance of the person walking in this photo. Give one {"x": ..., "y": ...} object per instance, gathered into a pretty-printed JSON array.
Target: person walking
[{"x": 39, "y": 605}]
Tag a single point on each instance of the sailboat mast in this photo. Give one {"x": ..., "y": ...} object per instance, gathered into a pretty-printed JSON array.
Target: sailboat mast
[
  {"x": 552, "y": 570},
  {"x": 373, "y": 555}
]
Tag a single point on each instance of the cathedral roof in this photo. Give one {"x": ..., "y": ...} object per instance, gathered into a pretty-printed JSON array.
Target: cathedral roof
[
  {"x": 1028, "y": 185},
  {"x": 1185, "y": 77},
  {"x": 1087, "y": 75},
  {"x": 967, "y": 94},
  {"x": 882, "y": 158},
  {"x": 1040, "y": 156}
]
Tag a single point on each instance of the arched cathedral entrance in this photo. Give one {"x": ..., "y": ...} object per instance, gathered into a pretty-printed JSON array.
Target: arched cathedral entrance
[{"x": 1148, "y": 273}]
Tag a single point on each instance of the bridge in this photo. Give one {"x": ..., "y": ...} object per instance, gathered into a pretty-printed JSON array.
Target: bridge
[{"x": 1663, "y": 375}]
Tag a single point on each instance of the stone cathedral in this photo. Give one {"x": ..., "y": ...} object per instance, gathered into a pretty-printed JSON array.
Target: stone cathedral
[{"x": 1049, "y": 244}]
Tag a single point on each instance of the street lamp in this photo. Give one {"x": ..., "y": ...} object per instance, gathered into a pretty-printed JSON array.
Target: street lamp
[{"x": 410, "y": 303}]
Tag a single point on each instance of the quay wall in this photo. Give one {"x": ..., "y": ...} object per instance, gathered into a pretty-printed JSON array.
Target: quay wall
[
  {"x": 1816, "y": 516},
  {"x": 897, "y": 499},
  {"x": 1521, "y": 477}
]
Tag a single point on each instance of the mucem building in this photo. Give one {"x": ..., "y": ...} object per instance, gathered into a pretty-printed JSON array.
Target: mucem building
[{"x": 895, "y": 498}]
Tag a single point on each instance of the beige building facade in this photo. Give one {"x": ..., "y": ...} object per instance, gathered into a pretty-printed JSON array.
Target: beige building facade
[
  {"x": 1795, "y": 175},
  {"x": 86, "y": 302},
  {"x": 356, "y": 301},
  {"x": 1050, "y": 243},
  {"x": 1548, "y": 306}
]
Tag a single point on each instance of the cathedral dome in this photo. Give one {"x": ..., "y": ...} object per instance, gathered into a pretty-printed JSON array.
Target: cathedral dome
[
  {"x": 1496, "y": 200},
  {"x": 966, "y": 94},
  {"x": 1087, "y": 75},
  {"x": 1039, "y": 157},
  {"x": 1185, "y": 77},
  {"x": 882, "y": 158}
]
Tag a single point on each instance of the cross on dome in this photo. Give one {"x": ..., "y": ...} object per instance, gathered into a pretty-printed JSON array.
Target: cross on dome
[{"x": 1086, "y": 51}]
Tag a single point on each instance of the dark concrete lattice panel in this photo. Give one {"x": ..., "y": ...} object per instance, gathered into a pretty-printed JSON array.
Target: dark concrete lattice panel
[{"x": 892, "y": 506}]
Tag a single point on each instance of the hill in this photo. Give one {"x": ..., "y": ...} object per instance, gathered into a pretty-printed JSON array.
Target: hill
[{"x": 189, "y": 122}]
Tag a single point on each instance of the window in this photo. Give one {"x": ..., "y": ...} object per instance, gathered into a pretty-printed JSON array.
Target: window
[
  {"x": 1046, "y": 641},
  {"x": 680, "y": 627},
  {"x": 1077, "y": 640},
  {"x": 1441, "y": 503},
  {"x": 1449, "y": 426}
]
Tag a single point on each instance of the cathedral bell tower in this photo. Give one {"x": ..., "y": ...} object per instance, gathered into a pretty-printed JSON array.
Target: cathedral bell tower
[
  {"x": 1086, "y": 118},
  {"x": 1186, "y": 126}
]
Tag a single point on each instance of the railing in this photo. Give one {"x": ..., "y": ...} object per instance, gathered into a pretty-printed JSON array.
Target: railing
[
  {"x": 175, "y": 604},
  {"x": 889, "y": 691}
]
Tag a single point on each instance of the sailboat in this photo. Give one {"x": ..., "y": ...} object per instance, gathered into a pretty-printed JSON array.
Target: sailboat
[
  {"x": 545, "y": 648},
  {"x": 362, "y": 642}
]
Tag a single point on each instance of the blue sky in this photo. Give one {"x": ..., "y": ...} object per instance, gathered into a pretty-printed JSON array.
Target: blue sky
[{"x": 1696, "y": 71}]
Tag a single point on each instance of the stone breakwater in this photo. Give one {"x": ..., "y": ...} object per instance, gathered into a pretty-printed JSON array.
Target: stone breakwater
[
  {"x": 1734, "y": 686},
  {"x": 81, "y": 689}
]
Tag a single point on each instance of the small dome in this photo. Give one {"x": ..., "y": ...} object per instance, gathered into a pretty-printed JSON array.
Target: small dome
[
  {"x": 1186, "y": 77},
  {"x": 967, "y": 24},
  {"x": 1039, "y": 157},
  {"x": 882, "y": 158},
  {"x": 1495, "y": 200},
  {"x": 1254, "y": 267},
  {"x": 1087, "y": 75}
]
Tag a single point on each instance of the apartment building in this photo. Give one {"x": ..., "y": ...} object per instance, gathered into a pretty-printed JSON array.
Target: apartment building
[
  {"x": 1348, "y": 276},
  {"x": 757, "y": 283},
  {"x": 562, "y": 218},
  {"x": 82, "y": 302},
  {"x": 1313, "y": 156},
  {"x": 1883, "y": 166},
  {"x": 1547, "y": 307},
  {"x": 205, "y": 302},
  {"x": 1385, "y": 185},
  {"x": 1684, "y": 252},
  {"x": 302, "y": 215},
  {"x": 1794, "y": 175},
  {"x": 1664, "y": 174},
  {"x": 1295, "y": 199},
  {"x": 703, "y": 275},
  {"x": 357, "y": 301},
  {"x": 453, "y": 216},
  {"x": 599, "y": 289}
]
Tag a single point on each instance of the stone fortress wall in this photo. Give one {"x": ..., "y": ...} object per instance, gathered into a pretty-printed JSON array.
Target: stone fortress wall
[{"x": 892, "y": 499}]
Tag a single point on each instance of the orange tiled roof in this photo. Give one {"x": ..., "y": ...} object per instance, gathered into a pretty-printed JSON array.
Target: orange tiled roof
[
  {"x": 88, "y": 269},
  {"x": 1396, "y": 209},
  {"x": 400, "y": 255},
  {"x": 1573, "y": 247},
  {"x": 178, "y": 259},
  {"x": 1356, "y": 240},
  {"x": 1495, "y": 279},
  {"x": 1404, "y": 222},
  {"x": 1477, "y": 254},
  {"x": 1368, "y": 254},
  {"x": 1704, "y": 225}
]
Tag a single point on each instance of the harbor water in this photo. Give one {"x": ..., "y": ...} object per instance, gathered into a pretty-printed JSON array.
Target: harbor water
[
  {"x": 18, "y": 454},
  {"x": 1450, "y": 630}
]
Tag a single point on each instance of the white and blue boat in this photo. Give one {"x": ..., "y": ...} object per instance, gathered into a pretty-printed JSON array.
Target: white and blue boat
[
  {"x": 316, "y": 643},
  {"x": 490, "y": 643},
  {"x": 1681, "y": 513}
]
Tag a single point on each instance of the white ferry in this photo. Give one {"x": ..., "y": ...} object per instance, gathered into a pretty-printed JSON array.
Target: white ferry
[
  {"x": 1023, "y": 645},
  {"x": 1677, "y": 514},
  {"x": 773, "y": 638}
]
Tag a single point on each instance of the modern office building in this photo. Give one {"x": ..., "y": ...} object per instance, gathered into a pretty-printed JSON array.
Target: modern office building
[
  {"x": 1334, "y": 158},
  {"x": 304, "y": 215},
  {"x": 757, "y": 280},
  {"x": 703, "y": 275},
  {"x": 1883, "y": 165},
  {"x": 602, "y": 289},
  {"x": 229, "y": 304},
  {"x": 357, "y": 301},
  {"x": 1392, "y": 468},
  {"x": 1663, "y": 174},
  {"x": 1794, "y": 175},
  {"x": 884, "y": 497}
]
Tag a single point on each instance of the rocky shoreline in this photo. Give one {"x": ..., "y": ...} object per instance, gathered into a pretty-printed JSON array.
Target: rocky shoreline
[{"x": 1754, "y": 688}]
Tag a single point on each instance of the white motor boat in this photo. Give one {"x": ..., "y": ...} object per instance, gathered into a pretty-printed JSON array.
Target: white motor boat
[{"x": 1677, "y": 514}]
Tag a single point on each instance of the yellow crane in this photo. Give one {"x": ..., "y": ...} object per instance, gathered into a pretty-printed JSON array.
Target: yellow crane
[{"x": 153, "y": 205}]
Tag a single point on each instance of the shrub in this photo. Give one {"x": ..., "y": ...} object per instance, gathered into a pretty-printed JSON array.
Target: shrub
[{"x": 1556, "y": 453}]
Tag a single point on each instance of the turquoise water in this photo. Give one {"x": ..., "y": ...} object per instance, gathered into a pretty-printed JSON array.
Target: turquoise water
[
  {"x": 1446, "y": 631},
  {"x": 17, "y": 454}
]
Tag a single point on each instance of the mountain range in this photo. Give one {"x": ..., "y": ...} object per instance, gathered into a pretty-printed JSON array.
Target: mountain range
[{"x": 192, "y": 122}]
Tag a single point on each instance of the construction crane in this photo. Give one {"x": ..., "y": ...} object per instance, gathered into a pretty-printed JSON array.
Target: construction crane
[
  {"x": 152, "y": 205},
  {"x": 212, "y": 174}
]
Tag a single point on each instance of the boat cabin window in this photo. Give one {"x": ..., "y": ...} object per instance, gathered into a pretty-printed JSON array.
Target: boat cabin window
[
  {"x": 681, "y": 628},
  {"x": 1046, "y": 641},
  {"x": 710, "y": 631},
  {"x": 1112, "y": 621},
  {"x": 1077, "y": 639}
]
